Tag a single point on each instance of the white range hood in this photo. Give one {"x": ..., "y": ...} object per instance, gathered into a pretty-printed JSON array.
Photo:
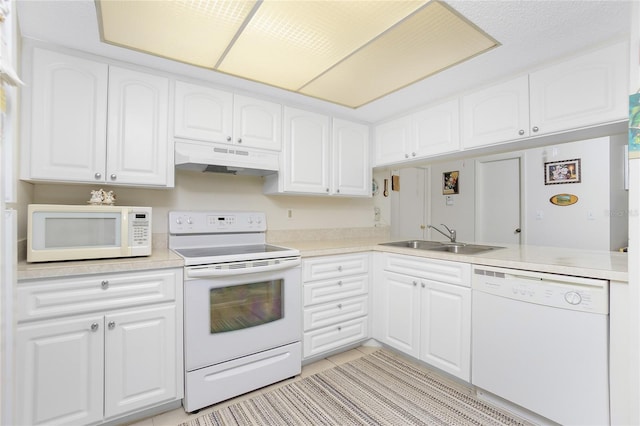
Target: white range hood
[{"x": 219, "y": 158}]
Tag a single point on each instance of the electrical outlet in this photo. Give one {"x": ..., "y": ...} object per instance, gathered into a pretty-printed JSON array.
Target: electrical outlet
[
  {"x": 376, "y": 214},
  {"x": 289, "y": 213}
]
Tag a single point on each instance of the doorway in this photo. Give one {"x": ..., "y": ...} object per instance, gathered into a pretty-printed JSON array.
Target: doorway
[{"x": 498, "y": 207}]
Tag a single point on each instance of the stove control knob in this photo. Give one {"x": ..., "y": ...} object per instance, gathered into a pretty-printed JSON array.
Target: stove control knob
[
  {"x": 250, "y": 220},
  {"x": 190, "y": 221},
  {"x": 179, "y": 221}
]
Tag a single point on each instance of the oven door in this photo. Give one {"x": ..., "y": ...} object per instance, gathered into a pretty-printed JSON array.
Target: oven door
[{"x": 227, "y": 317}]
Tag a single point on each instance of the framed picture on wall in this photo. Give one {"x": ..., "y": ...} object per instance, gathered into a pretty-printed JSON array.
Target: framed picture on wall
[
  {"x": 450, "y": 183},
  {"x": 566, "y": 171}
]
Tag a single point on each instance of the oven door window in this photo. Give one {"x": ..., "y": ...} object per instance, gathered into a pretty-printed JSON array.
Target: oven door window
[{"x": 245, "y": 306}]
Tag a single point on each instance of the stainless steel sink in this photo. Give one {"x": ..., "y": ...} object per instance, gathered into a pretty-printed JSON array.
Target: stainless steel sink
[{"x": 459, "y": 248}]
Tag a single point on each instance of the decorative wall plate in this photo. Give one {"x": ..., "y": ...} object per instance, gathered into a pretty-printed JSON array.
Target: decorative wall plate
[{"x": 563, "y": 199}]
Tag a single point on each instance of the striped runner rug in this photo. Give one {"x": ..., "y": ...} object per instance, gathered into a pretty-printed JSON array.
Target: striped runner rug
[{"x": 377, "y": 389}]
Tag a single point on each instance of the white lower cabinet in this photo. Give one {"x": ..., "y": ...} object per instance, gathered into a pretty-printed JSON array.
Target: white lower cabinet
[
  {"x": 79, "y": 368},
  {"x": 335, "y": 302},
  {"x": 423, "y": 308}
]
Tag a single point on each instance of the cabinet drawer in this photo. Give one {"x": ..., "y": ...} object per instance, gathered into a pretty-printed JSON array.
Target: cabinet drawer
[
  {"x": 334, "y": 336},
  {"x": 335, "y": 312},
  {"x": 335, "y": 266},
  {"x": 64, "y": 296},
  {"x": 336, "y": 289},
  {"x": 432, "y": 269}
]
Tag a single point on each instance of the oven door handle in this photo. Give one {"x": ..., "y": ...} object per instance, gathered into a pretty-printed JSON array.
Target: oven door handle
[{"x": 202, "y": 272}]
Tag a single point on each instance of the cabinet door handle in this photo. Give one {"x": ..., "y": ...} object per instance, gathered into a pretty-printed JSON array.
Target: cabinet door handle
[
  {"x": 228, "y": 138},
  {"x": 406, "y": 156},
  {"x": 521, "y": 132},
  {"x": 98, "y": 175},
  {"x": 104, "y": 284},
  {"x": 415, "y": 283},
  {"x": 111, "y": 325},
  {"x": 94, "y": 326},
  {"x": 239, "y": 140},
  {"x": 423, "y": 285},
  {"x": 535, "y": 128},
  {"x": 113, "y": 176},
  {"x": 518, "y": 230},
  {"x": 413, "y": 154}
]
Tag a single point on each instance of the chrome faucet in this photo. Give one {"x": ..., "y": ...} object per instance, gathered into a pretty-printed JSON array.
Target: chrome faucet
[{"x": 452, "y": 232}]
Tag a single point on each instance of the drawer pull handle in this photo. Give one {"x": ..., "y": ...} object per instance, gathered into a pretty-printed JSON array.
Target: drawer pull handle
[
  {"x": 339, "y": 328},
  {"x": 104, "y": 284},
  {"x": 94, "y": 326},
  {"x": 340, "y": 268},
  {"x": 415, "y": 283},
  {"x": 111, "y": 325},
  {"x": 340, "y": 283},
  {"x": 339, "y": 305},
  {"x": 423, "y": 285}
]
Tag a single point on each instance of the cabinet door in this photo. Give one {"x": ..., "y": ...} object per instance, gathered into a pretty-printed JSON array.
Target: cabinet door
[
  {"x": 68, "y": 118},
  {"x": 203, "y": 113},
  {"x": 59, "y": 372},
  {"x": 496, "y": 114},
  {"x": 257, "y": 123},
  {"x": 587, "y": 90},
  {"x": 140, "y": 359},
  {"x": 351, "y": 171},
  {"x": 393, "y": 141},
  {"x": 138, "y": 147},
  {"x": 305, "y": 152},
  {"x": 436, "y": 130},
  {"x": 398, "y": 312},
  {"x": 445, "y": 328}
]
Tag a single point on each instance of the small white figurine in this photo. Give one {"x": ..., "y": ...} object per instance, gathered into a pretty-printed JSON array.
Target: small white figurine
[
  {"x": 96, "y": 197},
  {"x": 108, "y": 198}
]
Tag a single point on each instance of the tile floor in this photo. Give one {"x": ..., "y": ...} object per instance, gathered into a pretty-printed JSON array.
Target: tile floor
[{"x": 178, "y": 416}]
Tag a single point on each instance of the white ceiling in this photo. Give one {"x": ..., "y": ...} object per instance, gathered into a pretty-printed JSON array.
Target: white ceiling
[{"x": 531, "y": 33}]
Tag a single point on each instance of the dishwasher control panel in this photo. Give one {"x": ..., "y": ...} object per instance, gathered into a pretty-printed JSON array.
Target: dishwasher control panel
[{"x": 561, "y": 291}]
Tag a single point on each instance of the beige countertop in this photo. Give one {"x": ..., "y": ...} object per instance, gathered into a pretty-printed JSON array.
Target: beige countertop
[
  {"x": 584, "y": 263},
  {"x": 160, "y": 258}
]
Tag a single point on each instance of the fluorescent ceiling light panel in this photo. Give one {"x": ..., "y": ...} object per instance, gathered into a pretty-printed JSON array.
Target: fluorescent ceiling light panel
[
  {"x": 431, "y": 40},
  {"x": 192, "y": 31},
  {"x": 349, "y": 52},
  {"x": 289, "y": 43}
]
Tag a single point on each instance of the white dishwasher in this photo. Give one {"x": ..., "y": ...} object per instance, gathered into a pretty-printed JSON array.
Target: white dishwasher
[{"x": 541, "y": 341}]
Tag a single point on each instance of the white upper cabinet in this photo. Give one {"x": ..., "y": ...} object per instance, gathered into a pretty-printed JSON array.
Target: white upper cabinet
[
  {"x": 588, "y": 90},
  {"x": 66, "y": 131},
  {"x": 203, "y": 113},
  {"x": 496, "y": 114},
  {"x": 305, "y": 154},
  {"x": 434, "y": 130},
  {"x": 137, "y": 140},
  {"x": 257, "y": 123},
  {"x": 393, "y": 141},
  {"x": 351, "y": 171},
  {"x": 212, "y": 115},
  {"x": 322, "y": 156},
  {"x": 86, "y": 121}
]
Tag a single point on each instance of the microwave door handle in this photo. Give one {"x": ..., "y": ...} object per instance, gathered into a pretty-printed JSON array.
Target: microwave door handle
[{"x": 211, "y": 272}]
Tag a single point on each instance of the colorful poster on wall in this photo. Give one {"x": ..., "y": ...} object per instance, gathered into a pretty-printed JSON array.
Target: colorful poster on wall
[{"x": 634, "y": 125}]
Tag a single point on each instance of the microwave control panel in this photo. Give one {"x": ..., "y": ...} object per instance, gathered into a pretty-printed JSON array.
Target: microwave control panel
[{"x": 140, "y": 228}]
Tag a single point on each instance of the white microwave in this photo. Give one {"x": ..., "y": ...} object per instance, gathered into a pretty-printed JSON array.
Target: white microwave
[{"x": 65, "y": 232}]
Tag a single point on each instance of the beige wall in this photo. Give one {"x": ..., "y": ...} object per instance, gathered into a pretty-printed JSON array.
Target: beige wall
[{"x": 212, "y": 191}]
